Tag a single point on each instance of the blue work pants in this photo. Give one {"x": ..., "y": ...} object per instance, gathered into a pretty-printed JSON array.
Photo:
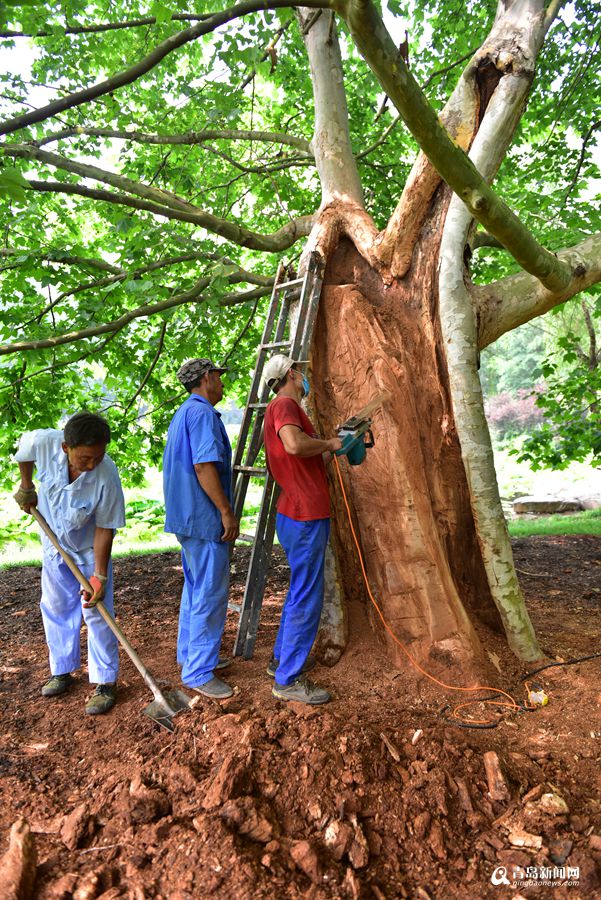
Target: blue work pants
[
  {"x": 305, "y": 545},
  {"x": 62, "y": 614},
  {"x": 203, "y": 607}
]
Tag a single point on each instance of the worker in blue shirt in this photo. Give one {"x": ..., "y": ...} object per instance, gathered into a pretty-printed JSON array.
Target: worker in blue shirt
[
  {"x": 197, "y": 482},
  {"x": 80, "y": 497}
]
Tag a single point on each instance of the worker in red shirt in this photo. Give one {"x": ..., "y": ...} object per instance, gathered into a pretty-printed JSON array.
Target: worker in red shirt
[{"x": 295, "y": 458}]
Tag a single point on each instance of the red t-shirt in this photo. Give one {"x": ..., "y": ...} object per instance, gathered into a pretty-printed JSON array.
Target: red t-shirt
[{"x": 303, "y": 480}]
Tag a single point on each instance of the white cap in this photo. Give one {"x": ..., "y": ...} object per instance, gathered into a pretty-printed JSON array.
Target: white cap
[{"x": 276, "y": 368}]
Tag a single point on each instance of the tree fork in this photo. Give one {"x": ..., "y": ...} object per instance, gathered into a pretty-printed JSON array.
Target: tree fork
[{"x": 380, "y": 53}]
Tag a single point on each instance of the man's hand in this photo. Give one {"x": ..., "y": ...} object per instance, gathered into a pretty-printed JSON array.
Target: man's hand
[
  {"x": 26, "y": 497},
  {"x": 231, "y": 526},
  {"x": 334, "y": 444},
  {"x": 88, "y": 599}
]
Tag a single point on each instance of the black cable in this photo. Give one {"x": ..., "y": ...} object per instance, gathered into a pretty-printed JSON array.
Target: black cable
[{"x": 567, "y": 662}]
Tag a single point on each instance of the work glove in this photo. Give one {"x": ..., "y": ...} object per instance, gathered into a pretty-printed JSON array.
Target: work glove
[
  {"x": 98, "y": 582},
  {"x": 26, "y": 497}
]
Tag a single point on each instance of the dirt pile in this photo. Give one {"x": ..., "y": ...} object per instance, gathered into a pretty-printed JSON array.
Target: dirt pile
[{"x": 372, "y": 796}]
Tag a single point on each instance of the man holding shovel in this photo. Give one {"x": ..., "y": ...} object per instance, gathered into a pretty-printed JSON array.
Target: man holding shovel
[
  {"x": 80, "y": 497},
  {"x": 197, "y": 481}
]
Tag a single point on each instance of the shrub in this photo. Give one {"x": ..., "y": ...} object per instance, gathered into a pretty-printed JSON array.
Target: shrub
[{"x": 512, "y": 414}]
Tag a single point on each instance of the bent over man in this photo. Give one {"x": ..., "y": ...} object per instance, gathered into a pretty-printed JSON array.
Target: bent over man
[
  {"x": 80, "y": 497},
  {"x": 197, "y": 481},
  {"x": 295, "y": 460}
]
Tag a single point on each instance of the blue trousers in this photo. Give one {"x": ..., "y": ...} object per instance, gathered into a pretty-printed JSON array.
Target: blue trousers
[
  {"x": 203, "y": 607},
  {"x": 305, "y": 545},
  {"x": 62, "y": 614}
]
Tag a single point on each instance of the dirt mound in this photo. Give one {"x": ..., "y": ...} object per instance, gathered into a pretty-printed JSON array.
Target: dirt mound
[{"x": 372, "y": 796}]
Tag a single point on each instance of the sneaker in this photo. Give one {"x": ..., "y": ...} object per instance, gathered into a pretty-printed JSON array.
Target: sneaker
[
  {"x": 215, "y": 689},
  {"x": 223, "y": 662},
  {"x": 302, "y": 690},
  {"x": 102, "y": 699},
  {"x": 57, "y": 685},
  {"x": 273, "y": 663}
]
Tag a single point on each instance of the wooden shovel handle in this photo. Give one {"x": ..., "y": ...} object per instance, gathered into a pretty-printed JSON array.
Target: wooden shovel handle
[
  {"x": 121, "y": 637},
  {"x": 68, "y": 559}
]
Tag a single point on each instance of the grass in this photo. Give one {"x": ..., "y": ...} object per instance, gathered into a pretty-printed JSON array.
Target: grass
[{"x": 586, "y": 522}]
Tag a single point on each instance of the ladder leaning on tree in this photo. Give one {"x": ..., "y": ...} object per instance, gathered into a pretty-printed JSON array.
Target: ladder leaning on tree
[{"x": 283, "y": 333}]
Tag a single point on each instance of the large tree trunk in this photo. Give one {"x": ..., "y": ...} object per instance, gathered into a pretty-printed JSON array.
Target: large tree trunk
[
  {"x": 431, "y": 550},
  {"x": 410, "y": 497}
]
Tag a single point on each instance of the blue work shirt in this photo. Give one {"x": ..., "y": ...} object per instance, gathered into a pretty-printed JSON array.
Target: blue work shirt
[{"x": 196, "y": 435}]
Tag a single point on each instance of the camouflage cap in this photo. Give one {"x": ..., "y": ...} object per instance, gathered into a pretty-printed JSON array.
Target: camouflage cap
[{"x": 193, "y": 369}]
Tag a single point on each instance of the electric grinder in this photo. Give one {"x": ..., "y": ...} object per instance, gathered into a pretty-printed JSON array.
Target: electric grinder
[{"x": 356, "y": 434}]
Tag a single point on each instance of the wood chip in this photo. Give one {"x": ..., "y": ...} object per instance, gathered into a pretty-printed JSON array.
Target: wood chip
[
  {"x": 497, "y": 788},
  {"x": 390, "y": 747}
]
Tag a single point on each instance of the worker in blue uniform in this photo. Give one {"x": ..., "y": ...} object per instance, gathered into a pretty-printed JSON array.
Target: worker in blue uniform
[
  {"x": 80, "y": 497},
  {"x": 197, "y": 482}
]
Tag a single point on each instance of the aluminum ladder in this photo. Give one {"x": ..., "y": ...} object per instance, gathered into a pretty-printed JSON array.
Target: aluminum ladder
[{"x": 280, "y": 335}]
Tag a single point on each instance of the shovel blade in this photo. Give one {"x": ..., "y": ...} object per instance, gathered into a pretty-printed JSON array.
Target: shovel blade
[{"x": 162, "y": 711}]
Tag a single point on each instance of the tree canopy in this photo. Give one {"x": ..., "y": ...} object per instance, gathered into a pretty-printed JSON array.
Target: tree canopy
[{"x": 156, "y": 166}]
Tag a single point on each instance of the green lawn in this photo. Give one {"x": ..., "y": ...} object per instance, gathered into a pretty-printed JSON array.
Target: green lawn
[{"x": 586, "y": 522}]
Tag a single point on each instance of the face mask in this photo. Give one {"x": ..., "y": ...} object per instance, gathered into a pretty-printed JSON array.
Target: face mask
[{"x": 306, "y": 386}]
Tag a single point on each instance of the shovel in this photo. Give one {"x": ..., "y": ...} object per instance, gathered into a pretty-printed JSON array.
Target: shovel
[{"x": 166, "y": 704}]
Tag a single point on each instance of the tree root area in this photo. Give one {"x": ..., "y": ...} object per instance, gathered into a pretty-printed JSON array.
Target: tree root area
[{"x": 376, "y": 795}]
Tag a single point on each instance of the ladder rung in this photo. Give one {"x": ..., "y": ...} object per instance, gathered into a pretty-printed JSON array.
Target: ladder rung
[
  {"x": 250, "y": 470},
  {"x": 288, "y": 284},
  {"x": 277, "y": 344},
  {"x": 257, "y": 405},
  {"x": 235, "y": 606},
  {"x": 246, "y": 538}
]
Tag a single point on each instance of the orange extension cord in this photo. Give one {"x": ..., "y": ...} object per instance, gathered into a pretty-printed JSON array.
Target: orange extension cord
[{"x": 474, "y": 723}]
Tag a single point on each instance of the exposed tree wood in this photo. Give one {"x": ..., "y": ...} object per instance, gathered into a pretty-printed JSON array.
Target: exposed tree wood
[{"x": 385, "y": 340}]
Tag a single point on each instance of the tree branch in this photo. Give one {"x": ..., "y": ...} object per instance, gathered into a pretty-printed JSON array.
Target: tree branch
[
  {"x": 127, "y": 76},
  {"x": 552, "y": 12},
  {"x": 151, "y": 367},
  {"x": 484, "y": 239},
  {"x": 191, "y": 137},
  {"x": 271, "y": 243},
  {"x": 194, "y": 294},
  {"x": 594, "y": 127},
  {"x": 591, "y": 357},
  {"x": 508, "y": 303},
  {"x": 453, "y": 165},
  {"x": 64, "y": 259},
  {"x": 105, "y": 26}
]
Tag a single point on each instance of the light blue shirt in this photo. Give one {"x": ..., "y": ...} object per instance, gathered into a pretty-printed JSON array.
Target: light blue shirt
[
  {"x": 73, "y": 510},
  {"x": 196, "y": 435}
]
